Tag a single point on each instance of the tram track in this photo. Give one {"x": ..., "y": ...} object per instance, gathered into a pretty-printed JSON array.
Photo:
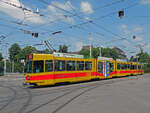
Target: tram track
[
  {"x": 25, "y": 95},
  {"x": 14, "y": 99},
  {"x": 58, "y": 89},
  {"x": 84, "y": 89},
  {"x": 11, "y": 99},
  {"x": 54, "y": 99},
  {"x": 27, "y": 102}
]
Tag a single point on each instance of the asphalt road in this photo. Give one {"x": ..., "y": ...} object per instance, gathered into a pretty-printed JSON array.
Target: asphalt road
[{"x": 120, "y": 95}]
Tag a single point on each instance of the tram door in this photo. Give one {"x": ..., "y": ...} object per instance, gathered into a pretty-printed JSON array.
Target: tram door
[{"x": 106, "y": 68}]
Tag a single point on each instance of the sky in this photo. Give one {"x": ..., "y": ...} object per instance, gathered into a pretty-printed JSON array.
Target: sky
[{"x": 76, "y": 19}]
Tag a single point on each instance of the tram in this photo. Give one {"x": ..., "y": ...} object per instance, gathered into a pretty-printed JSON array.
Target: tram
[{"x": 49, "y": 69}]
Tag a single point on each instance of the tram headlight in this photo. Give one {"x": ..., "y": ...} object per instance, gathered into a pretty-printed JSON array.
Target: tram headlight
[{"x": 27, "y": 78}]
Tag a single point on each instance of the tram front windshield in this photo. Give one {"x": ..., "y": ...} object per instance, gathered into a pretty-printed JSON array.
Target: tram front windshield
[
  {"x": 28, "y": 67},
  {"x": 34, "y": 67}
]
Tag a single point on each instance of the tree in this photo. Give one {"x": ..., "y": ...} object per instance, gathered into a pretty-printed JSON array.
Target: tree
[
  {"x": 143, "y": 57},
  {"x": 108, "y": 52},
  {"x": 133, "y": 59},
  {"x": 22, "y": 55},
  {"x": 24, "y": 52},
  {"x": 1, "y": 57},
  {"x": 95, "y": 52},
  {"x": 84, "y": 52},
  {"x": 63, "y": 49},
  {"x": 13, "y": 51}
]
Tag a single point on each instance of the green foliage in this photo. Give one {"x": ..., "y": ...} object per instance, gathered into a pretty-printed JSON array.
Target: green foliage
[
  {"x": 95, "y": 52},
  {"x": 22, "y": 55},
  {"x": 143, "y": 57},
  {"x": 46, "y": 51},
  {"x": 16, "y": 55},
  {"x": 147, "y": 68},
  {"x": 18, "y": 67},
  {"x": 84, "y": 52},
  {"x": 1, "y": 57},
  {"x": 132, "y": 59},
  {"x": 1, "y": 68},
  {"x": 13, "y": 51},
  {"x": 8, "y": 65},
  {"x": 63, "y": 49},
  {"x": 24, "y": 52},
  {"x": 108, "y": 52}
]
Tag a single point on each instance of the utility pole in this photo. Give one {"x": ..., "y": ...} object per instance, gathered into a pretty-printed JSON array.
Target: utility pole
[
  {"x": 90, "y": 39},
  {"x": 5, "y": 58}
]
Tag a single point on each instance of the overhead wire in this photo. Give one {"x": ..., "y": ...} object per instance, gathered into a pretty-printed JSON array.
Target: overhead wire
[
  {"x": 97, "y": 24},
  {"x": 85, "y": 22},
  {"x": 114, "y": 34}
]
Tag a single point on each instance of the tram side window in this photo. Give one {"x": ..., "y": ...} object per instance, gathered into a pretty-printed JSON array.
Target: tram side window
[
  {"x": 59, "y": 65},
  {"x": 48, "y": 66},
  {"x": 135, "y": 66},
  {"x": 100, "y": 67},
  {"x": 118, "y": 66},
  {"x": 38, "y": 66},
  {"x": 126, "y": 66},
  {"x": 70, "y": 65},
  {"x": 122, "y": 66},
  {"x": 80, "y": 65},
  {"x": 111, "y": 67},
  {"x": 88, "y": 65},
  {"x": 132, "y": 67},
  {"x": 129, "y": 66}
]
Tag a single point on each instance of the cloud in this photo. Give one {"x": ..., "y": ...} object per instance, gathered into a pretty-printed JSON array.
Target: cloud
[
  {"x": 123, "y": 26},
  {"x": 56, "y": 10},
  {"x": 67, "y": 6},
  {"x": 86, "y": 8},
  {"x": 51, "y": 13},
  {"x": 17, "y": 13},
  {"x": 125, "y": 30},
  {"x": 138, "y": 38},
  {"x": 145, "y": 2},
  {"x": 138, "y": 29},
  {"x": 147, "y": 46},
  {"x": 78, "y": 46},
  {"x": 131, "y": 31},
  {"x": 87, "y": 19}
]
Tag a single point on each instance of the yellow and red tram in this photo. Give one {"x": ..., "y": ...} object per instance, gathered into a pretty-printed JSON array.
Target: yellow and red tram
[{"x": 47, "y": 69}]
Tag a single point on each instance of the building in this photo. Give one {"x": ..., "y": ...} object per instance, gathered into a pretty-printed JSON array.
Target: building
[
  {"x": 86, "y": 47},
  {"x": 120, "y": 52}
]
